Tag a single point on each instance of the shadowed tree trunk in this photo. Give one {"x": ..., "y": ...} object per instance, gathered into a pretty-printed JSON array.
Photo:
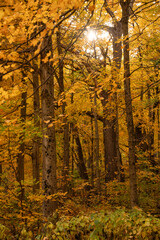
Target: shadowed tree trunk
[
  {"x": 20, "y": 155},
  {"x": 113, "y": 161},
  {"x": 140, "y": 133},
  {"x": 96, "y": 143},
  {"x": 80, "y": 162},
  {"x": 125, "y": 5},
  {"x": 36, "y": 140},
  {"x": 0, "y": 174},
  {"x": 49, "y": 182},
  {"x": 65, "y": 122},
  {"x": 91, "y": 155},
  {"x": 151, "y": 114}
]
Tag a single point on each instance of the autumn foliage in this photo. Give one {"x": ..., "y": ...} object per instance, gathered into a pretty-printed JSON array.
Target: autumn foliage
[{"x": 79, "y": 119}]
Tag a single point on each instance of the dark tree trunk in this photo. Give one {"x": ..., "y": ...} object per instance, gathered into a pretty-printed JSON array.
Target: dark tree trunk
[
  {"x": 91, "y": 155},
  {"x": 113, "y": 162},
  {"x": 66, "y": 137},
  {"x": 111, "y": 136},
  {"x": 0, "y": 174},
  {"x": 36, "y": 140},
  {"x": 128, "y": 102},
  {"x": 151, "y": 114},
  {"x": 49, "y": 182},
  {"x": 117, "y": 59},
  {"x": 158, "y": 120},
  {"x": 140, "y": 133},
  {"x": 96, "y": 143},
  {"x": 80, "y": 162},
  {"x": 20, "y": 156}
]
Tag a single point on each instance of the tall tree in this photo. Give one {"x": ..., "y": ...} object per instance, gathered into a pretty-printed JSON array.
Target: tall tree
[
  {"x": 49, "y": 181},
  {"x": 60, "y": 79},
  {"x": 20, "y": 155},
  {"x": 125, "y": 5},
  {"x": 36, "y": 140}
]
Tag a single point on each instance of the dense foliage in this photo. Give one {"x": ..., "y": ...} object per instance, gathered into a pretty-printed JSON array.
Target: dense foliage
[
  {"x": 79, "y": 119},
  {"x": 103, "y": 225}
]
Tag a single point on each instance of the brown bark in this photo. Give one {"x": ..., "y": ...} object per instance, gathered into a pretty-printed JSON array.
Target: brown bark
[
  {"x": 36, "y": 140},
  {"x": 158, "y": 120},
  {"x": 80, "y": 163},
  {"x": 49, "y": 182},
  {"x": 117, "y": 59},
  {"x": 140, "y": 133},
  {"x": 128, "y": 102},
  {"x": 91, "y": 155},
  {"x": 151, "y": 130},
  {"x": 96, "y": 143},
  {"x": 65, "y": 122},
  {"x": 116, "y": 32},
  {"x": 112, "y": 154},
  {"x": 0, "y": 174},
  {"x": 20, "y": 155}
]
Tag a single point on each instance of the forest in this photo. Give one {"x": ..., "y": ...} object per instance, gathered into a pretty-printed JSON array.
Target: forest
[{"x": 79, "y": 119}]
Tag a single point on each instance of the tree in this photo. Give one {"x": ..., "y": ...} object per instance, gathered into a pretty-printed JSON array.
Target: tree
[
  {"x": 128, "y": 102},
  {"x": 48, "y": 128}
]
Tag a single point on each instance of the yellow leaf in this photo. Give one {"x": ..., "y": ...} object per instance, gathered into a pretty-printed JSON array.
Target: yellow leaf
[
  {"x": 34, "y": 42},
  {"x": 46, "y": 121},
  {"x": 45, "y": 59},
  {"x": 91, "y": 8},
  {"x": 1, "y": 13},
  {"x": 45, "y": 136},
  {"x": 50, "y": 125}
]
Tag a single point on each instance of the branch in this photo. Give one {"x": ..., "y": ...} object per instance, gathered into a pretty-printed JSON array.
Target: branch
[
  {"x": 90, "y": 114},
  {"x": 109, "y": 11}
]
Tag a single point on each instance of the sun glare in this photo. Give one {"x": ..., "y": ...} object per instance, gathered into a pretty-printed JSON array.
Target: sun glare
[{"x": 91, "y": 35}]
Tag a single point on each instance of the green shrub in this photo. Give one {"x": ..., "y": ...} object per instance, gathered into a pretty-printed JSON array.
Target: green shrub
[{"x": 119, "y": 225}]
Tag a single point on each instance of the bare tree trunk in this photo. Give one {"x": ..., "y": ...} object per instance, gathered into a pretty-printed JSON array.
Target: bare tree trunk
[
  {"x": 49, "y": 182},
  {"x": 80, "y": 163},
  {"x": 140, "y": 133},
  {"x": 96, "y": 143},
  {"x": 117, "y": 58},
  {"x": 20, "y": 156},
  {"x": 65, "y": 122},
  {"x": 71, "y": 125},
  {"x": 128, "y": 102},
  {"x": 92, "y": 162},
  {"x": 113, "y": 162},
  {"x": 158, "y": 119},
  {"x": 0, "y": 174},
  {"x": 36, "y": 140},
  {"x": 151, "y": 129},
  {"x": 111, "y": 136}
]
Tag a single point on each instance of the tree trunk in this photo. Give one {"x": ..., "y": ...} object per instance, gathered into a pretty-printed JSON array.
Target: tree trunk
[
  {"x": 158, "y": 120},
  {"x": 49, "y": 182},
  {"x": 96, "y": 143},
  {"x": 128, "y": 102},
  {"x": 20, "y": 156},
  {"x": 91, "y": 155},
  {"x": 117, "y": 59},
  {"x": 65, "y": 122},
  {"x": 80, "y": 163},
  {"x": 36, "y": 140},
  {"x": 112, "y": 125},
  {"x": 113, "y": 163},
  {"x": 151, "y": 130},
  {"x": 140, "y": 133},
  {"x": 0, "y": 174}
]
